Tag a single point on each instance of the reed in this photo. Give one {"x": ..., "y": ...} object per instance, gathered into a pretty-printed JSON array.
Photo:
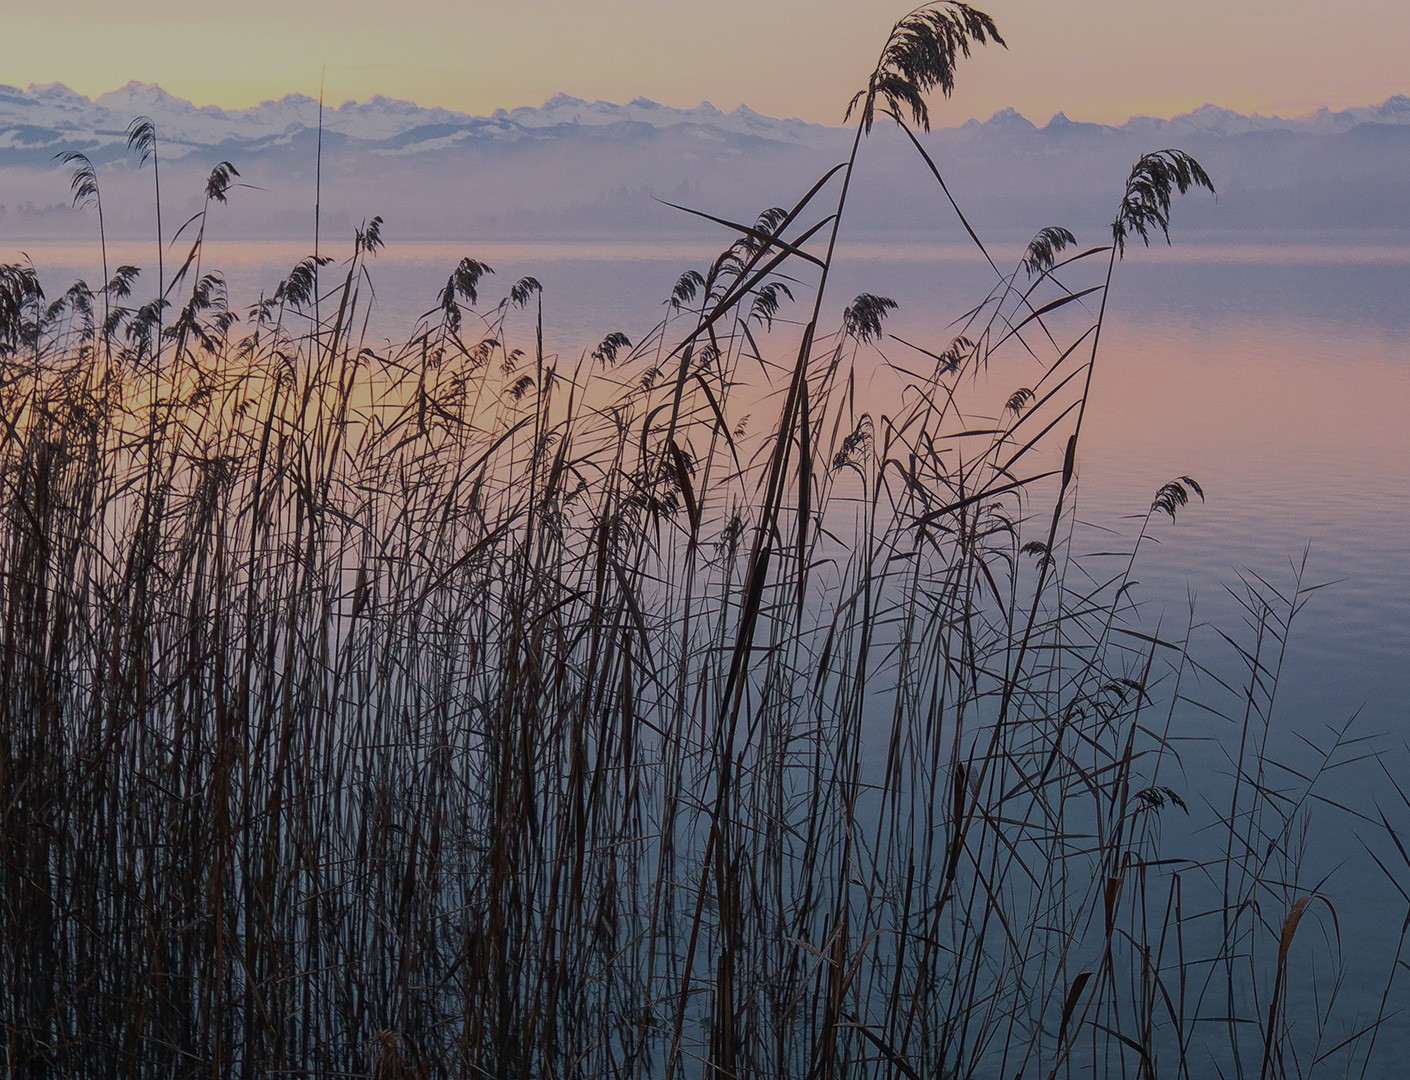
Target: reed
[{"x": 459, "y": 708}]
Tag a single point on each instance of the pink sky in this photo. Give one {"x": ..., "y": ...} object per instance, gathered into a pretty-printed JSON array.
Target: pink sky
[{"x": 1095, "y": 59}]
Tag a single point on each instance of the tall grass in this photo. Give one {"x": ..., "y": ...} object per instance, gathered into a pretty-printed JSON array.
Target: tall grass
[{"x": 456, "y": 708}]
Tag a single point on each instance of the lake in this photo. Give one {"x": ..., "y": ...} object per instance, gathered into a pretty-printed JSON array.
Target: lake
[{"x": 1275, "y": 374}]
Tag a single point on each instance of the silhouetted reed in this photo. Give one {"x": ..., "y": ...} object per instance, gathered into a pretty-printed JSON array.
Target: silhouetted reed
[{"x": 684, "y": 708}]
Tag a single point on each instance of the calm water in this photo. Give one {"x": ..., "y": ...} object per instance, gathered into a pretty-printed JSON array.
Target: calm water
[{"x": 1277, "y": 375}]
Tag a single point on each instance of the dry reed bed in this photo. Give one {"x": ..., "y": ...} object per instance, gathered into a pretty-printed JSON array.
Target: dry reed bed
[{"x": 458, "y": 709}]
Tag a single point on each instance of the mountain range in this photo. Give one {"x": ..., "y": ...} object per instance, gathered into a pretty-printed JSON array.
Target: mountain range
[
  {"x": 51, "y": 117},
  {"x": 591, "y": 168}
]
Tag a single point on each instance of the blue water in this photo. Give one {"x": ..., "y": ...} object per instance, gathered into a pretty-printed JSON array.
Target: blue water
[{"x": 1277, "y": 375}]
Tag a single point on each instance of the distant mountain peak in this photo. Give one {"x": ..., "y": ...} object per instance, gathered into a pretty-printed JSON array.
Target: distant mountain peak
[
  {"x": 1208, "y": 109},
  {"x": 49, "y": 116},
  {"x": 382, "y": 101},
  {"x": 51, "y": 89},
  {"x": 135, "y": 92},
  {"x": 1009, "y": 119},
  {"x": 559, "y": 100},
  {"x": 51, "y": 94}
]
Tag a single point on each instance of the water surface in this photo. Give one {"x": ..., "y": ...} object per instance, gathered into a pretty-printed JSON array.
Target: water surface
[{"x": 1275, "y": 374}]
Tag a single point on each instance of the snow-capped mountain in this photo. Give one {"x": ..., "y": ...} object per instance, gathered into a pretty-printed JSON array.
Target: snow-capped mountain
[
  {"x": 563, "y": 110},
  {"x": 1212, "y": 119},
  {"x": 571, "y": 166},
  {"x": 1207, "y": 120},
  {"x": 53, "y": 117}
]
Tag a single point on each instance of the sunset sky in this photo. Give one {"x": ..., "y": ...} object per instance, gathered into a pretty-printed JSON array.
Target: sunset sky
[{"x": 1098, "y": 60}]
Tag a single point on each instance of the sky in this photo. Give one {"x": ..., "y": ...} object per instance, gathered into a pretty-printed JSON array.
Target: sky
[{"x": 1099, "y": 60}]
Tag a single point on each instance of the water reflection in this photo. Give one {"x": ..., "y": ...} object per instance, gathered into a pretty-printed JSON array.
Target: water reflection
[{"x": 1259, "y": 376}]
